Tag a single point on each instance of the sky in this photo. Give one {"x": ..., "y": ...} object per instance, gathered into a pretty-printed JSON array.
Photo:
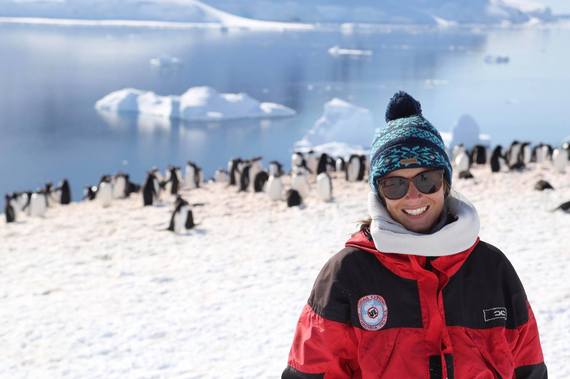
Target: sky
[{"x": 557, "y": 6}]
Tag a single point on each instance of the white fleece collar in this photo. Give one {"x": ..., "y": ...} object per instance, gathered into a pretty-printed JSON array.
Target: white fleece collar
[{"x": 391, "y": 237}]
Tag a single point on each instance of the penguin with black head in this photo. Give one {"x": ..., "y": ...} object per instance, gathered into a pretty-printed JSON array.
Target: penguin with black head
[
  {"x": 150, "y": 189},
  {"x": 182, "y": 218},
  {"x": 9, "y": 211}
]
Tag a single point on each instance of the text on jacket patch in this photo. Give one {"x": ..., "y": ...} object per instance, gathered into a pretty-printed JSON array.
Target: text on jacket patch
[{"x": 495, "y": 313}]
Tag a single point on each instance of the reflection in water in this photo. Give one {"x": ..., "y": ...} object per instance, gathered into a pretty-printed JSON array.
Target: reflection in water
[{"x": 53, "y": 76}]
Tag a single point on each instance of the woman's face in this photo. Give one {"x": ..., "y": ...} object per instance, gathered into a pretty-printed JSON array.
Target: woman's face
[{"x": 416, "y": 211}]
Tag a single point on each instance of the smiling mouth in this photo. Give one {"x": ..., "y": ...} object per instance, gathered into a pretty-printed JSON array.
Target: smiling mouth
[{"x": 416, "y": 211}]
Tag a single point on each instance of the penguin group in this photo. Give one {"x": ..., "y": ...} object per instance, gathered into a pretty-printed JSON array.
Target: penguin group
[
  {"x": 516, "y": 157},
  {"x": 308, "y": 169},
  {"x": 36, "y": 203}
]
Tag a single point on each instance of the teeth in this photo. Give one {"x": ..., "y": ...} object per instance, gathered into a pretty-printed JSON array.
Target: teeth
[{"x": 416, "y": 212}]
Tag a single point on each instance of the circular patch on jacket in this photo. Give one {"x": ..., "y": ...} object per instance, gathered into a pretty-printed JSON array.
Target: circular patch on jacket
[{"x": 372, "y": 312}]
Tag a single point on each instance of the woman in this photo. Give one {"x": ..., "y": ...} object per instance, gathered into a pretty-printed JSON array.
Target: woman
[{"x": 415, "y": 294}]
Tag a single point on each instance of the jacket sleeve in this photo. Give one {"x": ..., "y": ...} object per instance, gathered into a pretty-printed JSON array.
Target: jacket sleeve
[
  {"x": 324, "y": 345},
  {"x": 527, "y": 352}
]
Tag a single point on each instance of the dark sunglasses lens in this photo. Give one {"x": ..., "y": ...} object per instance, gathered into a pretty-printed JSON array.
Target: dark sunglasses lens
[
  {"x": 429, "y": 182},
  {"x": 394, "y": 188}
]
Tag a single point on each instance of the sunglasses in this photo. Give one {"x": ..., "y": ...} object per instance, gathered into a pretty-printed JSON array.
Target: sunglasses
[{"x": 396, "y": 187}]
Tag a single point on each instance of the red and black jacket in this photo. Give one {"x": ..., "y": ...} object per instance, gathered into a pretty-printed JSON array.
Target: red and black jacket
[{"x": 395, "y": 316}]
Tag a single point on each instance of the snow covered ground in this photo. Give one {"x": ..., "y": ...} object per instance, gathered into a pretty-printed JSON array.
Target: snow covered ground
[{"x": 89, "y": 292}]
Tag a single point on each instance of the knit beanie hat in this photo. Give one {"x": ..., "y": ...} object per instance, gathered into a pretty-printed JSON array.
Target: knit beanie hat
[{"x": 408, "y": 141}]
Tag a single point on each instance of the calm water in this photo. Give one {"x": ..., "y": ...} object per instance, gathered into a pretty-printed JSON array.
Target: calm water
[{"x": 52, "y": 76}]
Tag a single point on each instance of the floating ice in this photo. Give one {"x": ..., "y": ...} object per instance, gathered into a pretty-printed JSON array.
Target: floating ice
[
  {"x": 196, "y": 104},
  {"x": 336, "y": 51}
]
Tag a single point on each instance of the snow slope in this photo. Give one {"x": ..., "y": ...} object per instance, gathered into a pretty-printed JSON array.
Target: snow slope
[{"x": 89, "y": 292}]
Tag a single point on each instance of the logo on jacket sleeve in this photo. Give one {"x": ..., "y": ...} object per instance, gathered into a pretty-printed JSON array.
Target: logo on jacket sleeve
[
  {"x": 495, "y": 314},
  {"x": 372, "y": 312}
]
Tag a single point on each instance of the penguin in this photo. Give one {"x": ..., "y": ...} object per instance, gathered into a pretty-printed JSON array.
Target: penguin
[
  {"x": 497, "y": 160},
  {"x": 64, "y": 190},
  {"x": 340, "y": 164},
  {"x": 560, "y": 160},
  {"x": 479, "y": 154},
  {"x": 89, "y": 193},
  {"x": 132, "y": 187},
  {"x": 457, "y": 149},
  {"x": 324, "y": 186},
  {"x": 274, "y": 188},
  {"x": 151, "y": 192},
  {"x": 255, "y": 168},
  {"x": 9, "y": 211},
  {"x": 538, "y": 154},
  {"x": 326, "y": 163},
  {"x": 173, "y": 180},
  {"x": 465, "y": 175},
  {"x": 526, "y": 153},
  {"x": 461, "y": 161},
  {"x": 120, "y": 185},
  {"x": 293, "y": 198},
  {"x": 233, "y": 169},
  {"x": 299, "y": 164},
  {"x": 37, "y": 204},
  {"x": 542, "y": 185},
  {"x": 19, "y": 200},
  {"x": 275, "y": 169},
  {"x": 311, "y": 161},
  {"x": 192, "y": 178},
  {"x": 182, "y": 217},
  {"x": 363, "y": 168},
  {"x": 259, "y": 181},
  {"x": 52, "y": 197},
  {"x": 354, "y": 168},
  {"x": 105, "y": 191},
  {"x": 514, "y": 154},
  {"x": 244, "y": 178},
  {"x": 300, "y": 183},
  {"x": 221, "y": 176}
]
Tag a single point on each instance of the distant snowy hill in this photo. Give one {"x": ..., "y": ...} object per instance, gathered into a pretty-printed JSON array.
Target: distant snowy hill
[{"x": 238, "y": 12}]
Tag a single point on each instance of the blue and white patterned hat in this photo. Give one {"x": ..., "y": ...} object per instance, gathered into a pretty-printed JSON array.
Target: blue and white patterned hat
[{"x": 407, "y": 141}]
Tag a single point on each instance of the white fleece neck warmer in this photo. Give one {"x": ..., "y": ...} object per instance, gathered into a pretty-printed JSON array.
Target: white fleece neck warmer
[{"x": 391, "y": 237}]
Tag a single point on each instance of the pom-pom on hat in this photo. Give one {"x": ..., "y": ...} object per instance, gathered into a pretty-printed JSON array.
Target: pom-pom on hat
[{"x": 407, "y": 141}]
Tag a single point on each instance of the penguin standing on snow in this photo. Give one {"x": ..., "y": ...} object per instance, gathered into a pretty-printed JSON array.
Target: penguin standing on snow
[
  {"x": 120, "y": 183},
  {"x": 497, "y": 160},
  {"x": 244, "y": 178},
  {"x": 340, "y": 165},
  {"x": 324, "y": 186},
  {"x": 526, "y": 153},
  {"x": 479, "y": 154},
  {"x": 259, "y": 182},
  {"x": 9, "y": 210},
  {"x": 275, "y": 168},
  {"x": 355, "y": 168},
  {"x": 274, "y": 188},
  {"x": 192, "y": 178},
  {"x": 255, "y": 168},
  {"x": 150, "y": 189},
  {"x": 64, "y": 190},
  {"x": 325, "y": 164},
  {"x": 233, "y": 169},
  {"x": 182, "y": 217},
  {"x": 89, "y": 193},
  {"x": 300, "y": 183},
  {"x": 105, "y": 191},
  {"x": 173, "y": 179},
  {"x": 299, "y": 164},
  {"x": 221, "y": 176},
  {"x": 461, "y": 163},
  {"x": 560, "y": 160}
]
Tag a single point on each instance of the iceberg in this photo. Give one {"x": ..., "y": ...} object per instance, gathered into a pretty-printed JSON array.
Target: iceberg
[
  {"x": 466, "y": 132},
  {"x": 336, "y": 51},
  {"x": 340, "y": 122},
  {"x": 196, "y": 104}
]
